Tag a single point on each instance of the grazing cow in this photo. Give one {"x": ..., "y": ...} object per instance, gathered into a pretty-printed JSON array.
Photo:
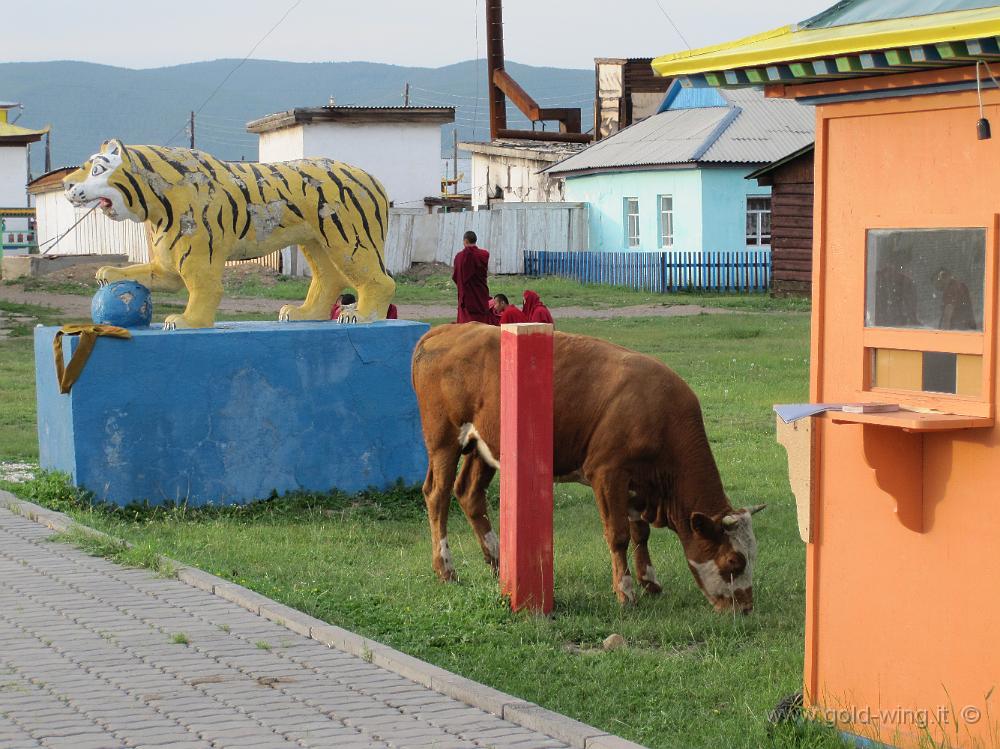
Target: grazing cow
[{"x": 624, "y": 424}]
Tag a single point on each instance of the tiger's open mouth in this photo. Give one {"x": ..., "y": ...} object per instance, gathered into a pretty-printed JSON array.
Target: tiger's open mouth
[{"x": 104, "y": 203}]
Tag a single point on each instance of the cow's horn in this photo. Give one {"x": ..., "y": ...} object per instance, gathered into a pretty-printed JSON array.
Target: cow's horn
[
  {"x": 755, "y": 509},
  {"x": 730, "y": 521}
]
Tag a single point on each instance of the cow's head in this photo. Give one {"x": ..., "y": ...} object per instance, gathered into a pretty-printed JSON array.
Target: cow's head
[{"x": 721, "y": 551}]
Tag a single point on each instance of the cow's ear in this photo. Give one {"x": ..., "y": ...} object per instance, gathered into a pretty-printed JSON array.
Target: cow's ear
[{"x": 706, "y": 527}]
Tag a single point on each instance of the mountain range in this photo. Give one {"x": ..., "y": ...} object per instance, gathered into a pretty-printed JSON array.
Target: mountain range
[{"x": 86, "y": 103}]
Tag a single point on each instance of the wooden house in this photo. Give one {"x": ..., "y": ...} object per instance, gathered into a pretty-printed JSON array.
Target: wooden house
[{"x": 791, "y": 181}]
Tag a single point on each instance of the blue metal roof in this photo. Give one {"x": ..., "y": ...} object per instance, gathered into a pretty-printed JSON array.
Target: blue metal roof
[{"x": 847, "y": 12}]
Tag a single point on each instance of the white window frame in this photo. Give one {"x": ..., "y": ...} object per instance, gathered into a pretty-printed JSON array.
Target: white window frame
[
  {"x": 756, "y": 236},
  {"x": 666, "y": 220},
  {"x": 632, "y": 234}
]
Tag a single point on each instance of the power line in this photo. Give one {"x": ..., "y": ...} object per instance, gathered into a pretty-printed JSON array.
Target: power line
[
  {"x": 671, "y": 20},
  {"x": 238, "y": 66}
]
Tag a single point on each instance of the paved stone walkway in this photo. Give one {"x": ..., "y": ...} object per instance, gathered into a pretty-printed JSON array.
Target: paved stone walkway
[{"x": 97, "y": 656}]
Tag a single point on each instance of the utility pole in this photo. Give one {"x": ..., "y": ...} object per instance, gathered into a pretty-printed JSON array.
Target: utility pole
[
  {"x": 406, "y": 94},
  {"x": 454, "y": 163},
  {"x": 191, "y": 129},
  {"x": 48, "y": 151}
]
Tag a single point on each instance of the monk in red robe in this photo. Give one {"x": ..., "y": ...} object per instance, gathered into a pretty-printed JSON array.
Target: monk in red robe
[
  {"x": 392, "y": 313},
  {"x": 471, "y": 265},
  {"x": 534, "y": 310},
  {"x": 508, "y": 312}
]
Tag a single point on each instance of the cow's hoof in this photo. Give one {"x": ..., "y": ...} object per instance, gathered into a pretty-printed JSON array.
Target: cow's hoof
[
  {"x": 446, "y": 576},
  {"x": 649, "y": 581},
  {"x": 626, "y": 591}
]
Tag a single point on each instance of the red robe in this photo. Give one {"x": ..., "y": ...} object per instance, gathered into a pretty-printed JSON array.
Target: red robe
[
  {"x": 511, "y": 315},
  {"x": 471, "y": 265},
  {"x": 392, "y": 313},
  {"x": 534, "y": 310}
]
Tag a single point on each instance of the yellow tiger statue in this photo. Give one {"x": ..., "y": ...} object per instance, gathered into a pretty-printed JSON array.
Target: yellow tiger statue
[{"x": 202, "y": 212}]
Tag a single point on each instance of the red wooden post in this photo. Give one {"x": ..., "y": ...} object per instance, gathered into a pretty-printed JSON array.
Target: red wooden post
[{"x": 526, "y": 465}]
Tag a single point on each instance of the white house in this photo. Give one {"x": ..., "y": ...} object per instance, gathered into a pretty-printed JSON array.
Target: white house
[
  {"x": 96, "y": 234},
  {"x": 512, "y": 171},
  {"x": 401, "y": 146},
  {"x": 14, "y": 165}
]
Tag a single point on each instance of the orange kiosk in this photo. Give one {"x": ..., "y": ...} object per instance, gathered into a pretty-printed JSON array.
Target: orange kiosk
[{"x": 900, "y": 510}]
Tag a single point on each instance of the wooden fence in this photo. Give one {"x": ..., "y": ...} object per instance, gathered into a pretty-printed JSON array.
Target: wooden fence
[{"x": 665, "y": 271}]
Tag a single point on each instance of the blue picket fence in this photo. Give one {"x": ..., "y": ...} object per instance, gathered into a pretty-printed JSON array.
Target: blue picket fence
[{"x": 743, "y": 272}]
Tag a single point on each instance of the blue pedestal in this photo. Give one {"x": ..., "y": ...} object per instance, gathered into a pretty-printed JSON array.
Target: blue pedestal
[{"x": 236, "y": 412}]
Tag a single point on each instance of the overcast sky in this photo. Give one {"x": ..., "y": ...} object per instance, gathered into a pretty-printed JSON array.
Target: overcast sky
[{"x": 431, "y": 33}]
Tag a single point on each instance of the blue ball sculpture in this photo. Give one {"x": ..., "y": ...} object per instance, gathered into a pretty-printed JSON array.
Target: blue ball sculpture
[{"x": 126, "y": 304}]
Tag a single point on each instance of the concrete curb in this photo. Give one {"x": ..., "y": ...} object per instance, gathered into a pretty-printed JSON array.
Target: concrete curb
[{"x": 513, "y": 709}]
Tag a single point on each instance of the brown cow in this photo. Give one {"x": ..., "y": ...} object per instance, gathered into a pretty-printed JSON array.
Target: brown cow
[{"x": 624, "y": 424}]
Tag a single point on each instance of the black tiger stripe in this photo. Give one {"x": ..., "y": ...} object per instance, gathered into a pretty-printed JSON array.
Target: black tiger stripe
[
  {"x": 258, "y": 178},
  {"x": 277, "y": 173},
  {"x": 166, "y": 204},
  {"x": 140, "y": 196},
  {"x": 208, "y": 229},
  {"x": 222, "y": 229},
  {"x": 167, "y": 157},
  {"x": 378, "y": 213},
  {"x": 176, "y": 239},
  {"x": 180, "y": 264},
  {"x": 232, "y": 204},
  {"x": 378, "y": 187},
  {"x": 205, "y": 163},
  {"x": 337, "y": 182},
  {"x": 125, "y": 191},
  {"x": 290, "y": 205},
  {"x": 333, "y": 216},
  {"x": 364, "y": 218}
]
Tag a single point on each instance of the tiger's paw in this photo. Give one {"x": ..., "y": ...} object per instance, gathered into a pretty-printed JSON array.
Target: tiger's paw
[
  {"x": 290, "y": 312},
  {"x": 107, "y": 274},
  {"x": 348, "y": 314},
  {"x": 177, "y": 322}
]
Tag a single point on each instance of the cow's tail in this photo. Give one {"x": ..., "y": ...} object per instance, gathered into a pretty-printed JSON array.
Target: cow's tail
[{"x": 470, "y": 439}]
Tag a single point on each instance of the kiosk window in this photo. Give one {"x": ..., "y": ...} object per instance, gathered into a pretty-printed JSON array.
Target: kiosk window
[{"x": 930, "y": 279}]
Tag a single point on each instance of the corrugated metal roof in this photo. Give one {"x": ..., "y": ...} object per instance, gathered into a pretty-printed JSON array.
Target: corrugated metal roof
[
  {"x": 765, "y": 130},
  {"x": 751, "y": 130}
]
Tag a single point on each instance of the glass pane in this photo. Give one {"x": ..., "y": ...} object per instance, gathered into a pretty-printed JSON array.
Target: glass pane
[
  {"x": 925, "y": 278},
  {"x": 939, "y": 372}
]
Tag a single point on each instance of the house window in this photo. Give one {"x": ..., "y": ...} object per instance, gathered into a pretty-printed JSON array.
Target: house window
[
  {"x": 631, "y": 222},
  {"x": 666, "y": 221},
  {"x": 758, "y": 221}
]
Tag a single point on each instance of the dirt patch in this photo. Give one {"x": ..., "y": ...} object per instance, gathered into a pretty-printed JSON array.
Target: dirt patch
[
  {"x": 420, "y": 272},
  {"x": 81, "y": 275},
  {"x": 236, "y": 275}
]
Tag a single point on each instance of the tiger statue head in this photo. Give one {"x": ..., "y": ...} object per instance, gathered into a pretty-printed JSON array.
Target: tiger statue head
[{"x": 101, "y": 180}]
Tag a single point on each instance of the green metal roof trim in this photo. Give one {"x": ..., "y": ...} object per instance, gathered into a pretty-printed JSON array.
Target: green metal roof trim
[{"x": 848, "y": 12}]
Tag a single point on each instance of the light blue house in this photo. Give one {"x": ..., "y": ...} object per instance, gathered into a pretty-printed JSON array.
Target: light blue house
[{"x": 677, "y": 179}]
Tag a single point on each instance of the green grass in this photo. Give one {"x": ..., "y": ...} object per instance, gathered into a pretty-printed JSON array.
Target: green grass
[
  {"x": 440, "y": 289},
  {"x": 686, "y": 677},
  {"x": 560, "y": 292}
]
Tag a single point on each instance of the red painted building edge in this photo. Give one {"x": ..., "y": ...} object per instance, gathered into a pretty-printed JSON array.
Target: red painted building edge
[{"x": 526, "y": 466}]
